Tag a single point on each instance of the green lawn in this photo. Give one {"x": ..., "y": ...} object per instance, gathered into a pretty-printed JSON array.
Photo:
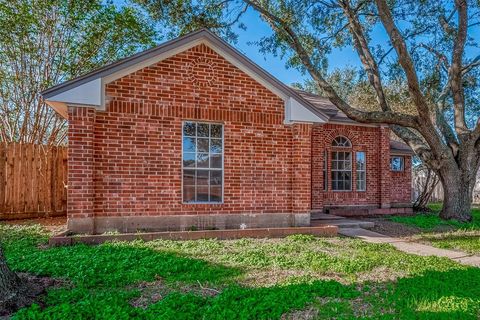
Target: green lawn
[
  {"x": 300, "y": 277},
  {"x": 446, "y": 234}
]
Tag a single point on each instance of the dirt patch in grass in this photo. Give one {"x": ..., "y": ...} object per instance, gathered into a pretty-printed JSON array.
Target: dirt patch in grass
[
  {"x": 54, "y": 225},
  {"x": 33, "y": 292},
  {"x": 306, "y": 314},
  {"x": 400, "y": 230},
  {"x": 271, "y": 277},
  {"x": 380, "y": 274},
  {"x": 152, "y": 292}
]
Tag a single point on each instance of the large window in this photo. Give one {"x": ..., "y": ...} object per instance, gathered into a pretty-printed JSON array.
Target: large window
[
  {"x": 361, "y": 171},
  {"x": 341, "y": 165},
  {"x": 341, "y": 171},
  {"x": 202, "y": 162},
  {"x": 396, "y": 163}
]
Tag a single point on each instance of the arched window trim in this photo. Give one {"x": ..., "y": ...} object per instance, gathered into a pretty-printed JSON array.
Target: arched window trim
[{"x": 341, "y": 142}]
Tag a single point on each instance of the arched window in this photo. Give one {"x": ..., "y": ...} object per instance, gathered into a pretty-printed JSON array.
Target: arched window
[
  {"x": 341, "y": 141},
  {"x": 341, "y": 165}
]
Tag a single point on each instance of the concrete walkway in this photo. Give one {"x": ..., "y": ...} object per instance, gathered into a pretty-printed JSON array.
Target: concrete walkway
[{"x": 411, "y": 247}]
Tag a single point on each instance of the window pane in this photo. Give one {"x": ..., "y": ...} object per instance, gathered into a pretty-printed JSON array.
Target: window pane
[
  {"x": 202, "y": 177},
  {"x": 215, "y": 177},
  {"x": 202, "y": 160},
  {"x": 325, "y": 163},
  {"x": 188, "y": 193},
  {"x": 216, "y": 145},
  {"x": 202, "y": 144},
  {"x": 341, "y": 171},
  {"x": 202, "y": 194},
  {"x": 341, "y": 142},
  {"x": 203, "y": 130},
  {"x": 188, "y": 144},
  {"x": 334, "y": 165},
  {"x": 188, "y": 177},
  {"x": 202, "y": 149},
  {"x": 396, "y": 163},
  {"x": 347, "y": 165},
  {"x": 361, "y": 174},
  {"x": 216, "y": 194},
  {"x": 347, "y": 185},
  {"x": 216, "y": 161},
  {"x": 189, "y": 129},
  {"x": 189, "y": 160},
  {"x": 216, "y": 131}
]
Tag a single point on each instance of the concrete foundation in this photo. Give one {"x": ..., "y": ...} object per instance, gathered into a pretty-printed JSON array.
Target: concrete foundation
[{"x": 128, "y": 224}]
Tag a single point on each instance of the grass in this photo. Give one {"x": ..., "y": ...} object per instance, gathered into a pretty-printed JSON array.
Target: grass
[
  {"x": 250, "y": 279},
  {"x": 431, "y": 221},
  {"x": 446, "y": 234}
]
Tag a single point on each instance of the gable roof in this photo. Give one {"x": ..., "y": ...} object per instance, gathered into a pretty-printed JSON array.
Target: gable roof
[
  {"x": 397, "y": 147},
  {"x": 92, "y": 83},
  {"x": 327, "y": 107}
]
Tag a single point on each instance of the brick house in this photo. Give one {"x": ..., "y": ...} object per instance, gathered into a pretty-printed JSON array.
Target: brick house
[{"x": 194, "y": 134}]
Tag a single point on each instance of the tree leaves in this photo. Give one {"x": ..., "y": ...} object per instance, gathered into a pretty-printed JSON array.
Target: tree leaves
[{"x": 45, "y": 42}]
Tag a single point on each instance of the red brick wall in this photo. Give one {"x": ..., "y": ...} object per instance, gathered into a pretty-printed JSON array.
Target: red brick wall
[
  {"x": 126, "y": 160},
  {"x": 401, "y": 191},
  {"x": 138, "y": 147},
  {"x": 80, "y": 192},
  {"x": 370, "y": 140}
]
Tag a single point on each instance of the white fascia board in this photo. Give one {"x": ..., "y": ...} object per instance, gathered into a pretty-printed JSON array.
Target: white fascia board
[
  {"x": 296, "y": 112},
  {"x": 88, "y": 94}
]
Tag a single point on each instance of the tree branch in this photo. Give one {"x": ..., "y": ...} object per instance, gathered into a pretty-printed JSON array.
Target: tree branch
[
  {"x": 404, "y": 58},
  {"x": 455, "y": 72},
  {"x": 386, "y": 117},
  {"x": 366, "y": 57}
]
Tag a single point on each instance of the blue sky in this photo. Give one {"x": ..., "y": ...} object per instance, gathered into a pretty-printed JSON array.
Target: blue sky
[
  {"x": 256, "y": 29},
  {"x": 339, "y": 58}
]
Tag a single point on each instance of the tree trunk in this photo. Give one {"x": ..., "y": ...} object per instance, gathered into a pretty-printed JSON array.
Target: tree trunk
[
  {"x": 14, "y": 292},
  {"x": 457, "y": 194}
]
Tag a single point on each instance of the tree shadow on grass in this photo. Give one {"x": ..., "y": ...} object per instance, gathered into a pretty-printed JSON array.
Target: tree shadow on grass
[
  {"x": 102, "y": 278},
  {"x": 118, "y": 264}
]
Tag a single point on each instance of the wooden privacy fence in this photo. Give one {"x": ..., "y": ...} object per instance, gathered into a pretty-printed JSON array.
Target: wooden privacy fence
[{"x": 33, "y": 181}]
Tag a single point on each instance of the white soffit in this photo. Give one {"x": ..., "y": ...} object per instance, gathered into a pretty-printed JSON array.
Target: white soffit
[
  {"x": 89, "y": 94},
  {"x": 296, "y": 112}
]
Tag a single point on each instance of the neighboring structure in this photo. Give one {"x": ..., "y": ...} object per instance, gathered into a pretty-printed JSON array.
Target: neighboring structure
[{"x": 194, "y": 134}]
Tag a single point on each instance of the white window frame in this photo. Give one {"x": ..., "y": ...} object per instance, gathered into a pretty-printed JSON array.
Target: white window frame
[
  {"x": 341, "y": 170},
  {"x": 364, "y": 171},
  {"x": 203, "y": 169},
  {"x": 402, "y": 164}
]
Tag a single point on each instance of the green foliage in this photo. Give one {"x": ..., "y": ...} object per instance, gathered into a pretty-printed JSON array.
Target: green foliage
[
  {"x": 102, "y": 280},
  {"x": 430, "y": 221},
  {"x": 45, "y": 42},
  {"x": 459, "y": 236}
]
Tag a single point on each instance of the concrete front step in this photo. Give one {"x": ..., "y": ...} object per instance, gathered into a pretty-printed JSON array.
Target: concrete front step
[
  {"x": 344, "y": 223},
  {"x": 324, "y": 216}
]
